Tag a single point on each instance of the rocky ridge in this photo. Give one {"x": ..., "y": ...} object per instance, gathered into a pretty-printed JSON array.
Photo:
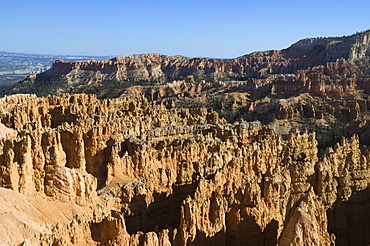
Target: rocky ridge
[
  {"x": 91, "y": 76},
  {"x": 136, "y": 173},
  {"x": 335, "y": 105}
]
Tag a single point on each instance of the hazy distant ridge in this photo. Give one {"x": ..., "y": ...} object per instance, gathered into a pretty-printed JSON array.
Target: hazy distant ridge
[{"x": 24, "y": 64}]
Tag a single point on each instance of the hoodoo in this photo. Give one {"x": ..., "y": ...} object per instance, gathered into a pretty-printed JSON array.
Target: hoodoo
[{"x": 128, "y": 172}]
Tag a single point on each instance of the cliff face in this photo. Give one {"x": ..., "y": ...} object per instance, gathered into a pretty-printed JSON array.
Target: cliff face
[
  {"x": 157, "y": 68},
  {"x": 142, "y": 174},
  {"x": 318, "y": 51},
  {"x": 83, "y": 76},
  {"x": 309, "y": 100},
  {"x": 141, "y": 169}
]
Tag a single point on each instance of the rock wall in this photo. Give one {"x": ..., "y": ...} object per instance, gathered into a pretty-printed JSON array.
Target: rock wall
[
  {"x": 345, "y": 56},
  {"x": 146, "y": 175},
  {"x": 353, "y": 48},
  {"x": 157, "y": 68}
]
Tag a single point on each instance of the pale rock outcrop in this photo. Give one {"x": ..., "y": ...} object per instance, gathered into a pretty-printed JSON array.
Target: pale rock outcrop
[
  {"x": 141, "y": 174},
  {"x": 343, "y": 57}
]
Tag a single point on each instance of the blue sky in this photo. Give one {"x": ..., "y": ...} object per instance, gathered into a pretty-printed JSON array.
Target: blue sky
[{"x": 191, "y": 28}]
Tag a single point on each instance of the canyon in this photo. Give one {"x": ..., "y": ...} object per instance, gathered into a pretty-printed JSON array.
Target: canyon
[
  {"x": 126, "y": 171},
  {"x": 270, "y": 148},
  {"x": 150, "y": 69}
]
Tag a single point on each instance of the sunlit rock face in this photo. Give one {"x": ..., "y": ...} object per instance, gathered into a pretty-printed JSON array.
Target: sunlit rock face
[
  {"x": 76, "y": 170},
  {"x": 347, "y": 56}
]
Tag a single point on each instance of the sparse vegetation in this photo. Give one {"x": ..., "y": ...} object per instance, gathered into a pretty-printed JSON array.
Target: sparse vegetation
[
  {"x": 107, "y": 85},
  {"x": 328, "y": 135},
  {"x": 340, "y": 37},
  {"x": 40, "y": 87},
  {"x": 223, "y": 106}
]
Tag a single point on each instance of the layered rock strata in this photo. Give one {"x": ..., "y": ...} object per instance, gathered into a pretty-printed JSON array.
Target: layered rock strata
[
  {"x": 345, "y": 56},
  {"x": 129, "y": 172}
]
